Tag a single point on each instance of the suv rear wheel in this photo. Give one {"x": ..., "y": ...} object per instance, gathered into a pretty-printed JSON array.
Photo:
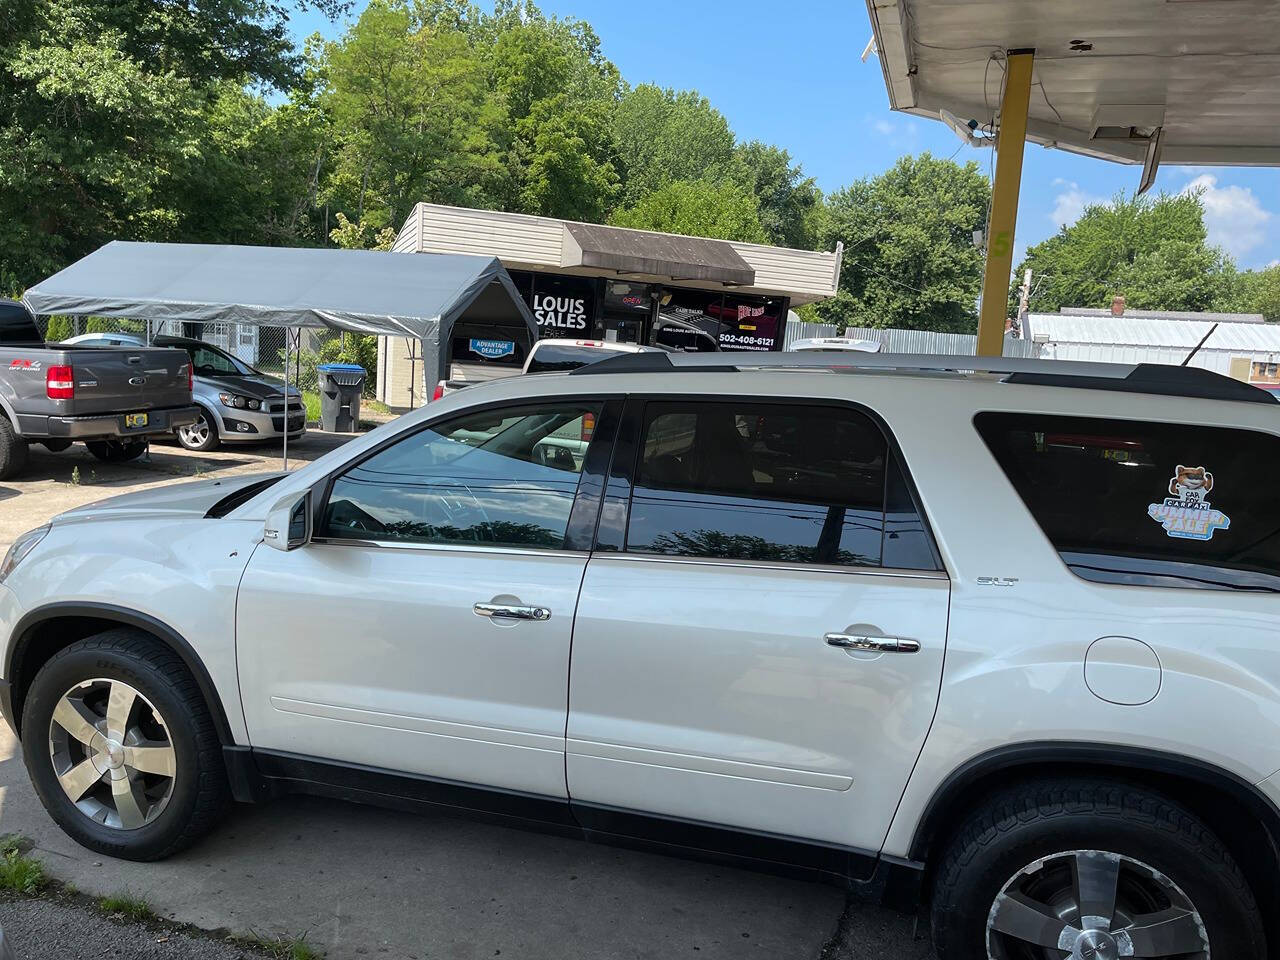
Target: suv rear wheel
[
  {"x": 1090, "y": 870},
  {"x": 121, "y": 747}
]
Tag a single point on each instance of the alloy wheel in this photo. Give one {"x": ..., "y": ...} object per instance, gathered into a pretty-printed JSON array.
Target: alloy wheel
[
  {"x": 195, "y": 434},
  {"x": 1093, "y": 905},
  {"x": 112, "y": 753}
]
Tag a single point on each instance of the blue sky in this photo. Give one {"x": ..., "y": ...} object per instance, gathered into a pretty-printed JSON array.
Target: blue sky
[{"x": 788, "y": 73}]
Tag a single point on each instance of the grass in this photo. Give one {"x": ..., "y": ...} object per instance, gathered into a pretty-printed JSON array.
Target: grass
[
  {"x": 312, "y": 399},
  {"x": 135, "y": 909},
  {"x": 19, "y": 873},
  {"x": 286, "y": 948}
]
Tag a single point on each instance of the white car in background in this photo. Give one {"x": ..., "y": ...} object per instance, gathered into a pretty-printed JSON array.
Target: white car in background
[{"x": 835, "y": 345}]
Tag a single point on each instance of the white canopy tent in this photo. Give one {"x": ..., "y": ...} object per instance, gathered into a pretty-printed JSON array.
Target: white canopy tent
[{"x": 363, "y": 291}]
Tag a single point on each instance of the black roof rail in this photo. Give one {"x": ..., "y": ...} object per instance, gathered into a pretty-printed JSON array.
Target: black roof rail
[{"x": 1148, "y": 378}]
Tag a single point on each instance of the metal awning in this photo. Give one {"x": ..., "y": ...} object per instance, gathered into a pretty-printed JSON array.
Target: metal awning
[
  {"x": 1107, "y": 75},
  {"x": 643, "y": 253}
]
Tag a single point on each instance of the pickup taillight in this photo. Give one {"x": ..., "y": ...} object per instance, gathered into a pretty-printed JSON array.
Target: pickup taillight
[
  {"x": 190, "y": 384},
  {"x": 438, "y": 392},
  {"x": 588, "y": 426},
  {"x": 60, "y": 382}
]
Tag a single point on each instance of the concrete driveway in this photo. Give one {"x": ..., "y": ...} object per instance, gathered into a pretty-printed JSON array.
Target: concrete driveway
[{"x": 362, "y": 881}]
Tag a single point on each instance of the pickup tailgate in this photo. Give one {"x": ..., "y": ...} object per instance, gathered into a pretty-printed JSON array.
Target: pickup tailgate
[{"x": 119, "y": 379}]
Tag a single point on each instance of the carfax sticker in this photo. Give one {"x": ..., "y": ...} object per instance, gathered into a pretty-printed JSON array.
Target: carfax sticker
[{"x": 1186, "y": 513}]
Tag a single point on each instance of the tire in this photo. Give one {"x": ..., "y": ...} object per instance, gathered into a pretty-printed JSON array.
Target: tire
[
  {"x": 116, "y": 451},
  {"x": 13, "y": 450},
  {"x": 201, "y": 436},
  {"x": 1164, "y": 856},
  {"x": 166, "y": 813}
]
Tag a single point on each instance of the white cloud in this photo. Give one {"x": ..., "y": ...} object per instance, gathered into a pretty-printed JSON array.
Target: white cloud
[
  {"x": 1070, "y": 202},
  {"x": 883, "y": 127},
  {"x": 1233, "y": 216}
]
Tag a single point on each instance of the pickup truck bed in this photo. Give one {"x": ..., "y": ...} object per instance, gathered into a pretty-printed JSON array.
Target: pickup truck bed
[{"x": 111, "y": 397}]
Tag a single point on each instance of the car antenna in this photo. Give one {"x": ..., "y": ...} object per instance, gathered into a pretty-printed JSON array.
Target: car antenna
[{"x": 1197, "y": 347}]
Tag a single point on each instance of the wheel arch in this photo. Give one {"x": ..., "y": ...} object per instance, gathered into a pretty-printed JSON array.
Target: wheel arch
[
  {"x": 1246, "y": 820},
  {"x": 45, "y": 630}
]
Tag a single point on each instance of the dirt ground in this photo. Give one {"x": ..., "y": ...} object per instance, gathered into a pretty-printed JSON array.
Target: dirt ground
[{"x": 55, "y": 482}]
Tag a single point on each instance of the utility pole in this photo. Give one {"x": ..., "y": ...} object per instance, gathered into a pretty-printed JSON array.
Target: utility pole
[{"x": 1024, "y": 296}]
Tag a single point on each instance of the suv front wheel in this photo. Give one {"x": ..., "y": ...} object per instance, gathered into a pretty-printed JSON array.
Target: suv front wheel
[
  {"x": 1090, "y": 870},
  {"x": 121, "y": 747}
]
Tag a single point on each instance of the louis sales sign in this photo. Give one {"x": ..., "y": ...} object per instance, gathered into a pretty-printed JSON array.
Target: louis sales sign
[{"x": 560, "y": 313}]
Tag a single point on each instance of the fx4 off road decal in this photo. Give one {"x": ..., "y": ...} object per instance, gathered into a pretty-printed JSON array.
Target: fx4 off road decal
[{"x": 1186, "y": 514}]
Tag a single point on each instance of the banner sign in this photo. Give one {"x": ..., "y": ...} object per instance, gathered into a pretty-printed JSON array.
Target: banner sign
[{"x": 492, "y": 349}]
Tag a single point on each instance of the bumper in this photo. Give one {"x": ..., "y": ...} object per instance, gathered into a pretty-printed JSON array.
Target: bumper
[
  {"x": 164, "y": 420},
  {"x": 240, "y": 424}
]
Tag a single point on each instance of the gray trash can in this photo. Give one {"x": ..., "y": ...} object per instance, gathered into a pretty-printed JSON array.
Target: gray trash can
[{"x": 340, "y": 386}]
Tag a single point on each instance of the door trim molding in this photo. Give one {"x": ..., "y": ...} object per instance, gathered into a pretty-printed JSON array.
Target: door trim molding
[{"x": 278, "y": 772}]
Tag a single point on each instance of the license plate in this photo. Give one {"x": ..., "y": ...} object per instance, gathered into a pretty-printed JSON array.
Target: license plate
[{"x": 135, "y": 420}]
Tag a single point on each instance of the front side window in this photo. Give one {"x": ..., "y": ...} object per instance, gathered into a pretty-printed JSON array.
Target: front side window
[
  {"x": 208, "y": 360},
  {"x": 502, "y": 478},
  {"x": 771, "y": 482},
  {"x": 1147, "y": 503}
]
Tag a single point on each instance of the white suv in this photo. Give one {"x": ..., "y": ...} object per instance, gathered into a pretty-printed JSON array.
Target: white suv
[{"x": 1001, "y": 633}]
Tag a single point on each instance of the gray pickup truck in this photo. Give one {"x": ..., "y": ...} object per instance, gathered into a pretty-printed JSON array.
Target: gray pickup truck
[{"x": 111, "y": 398}]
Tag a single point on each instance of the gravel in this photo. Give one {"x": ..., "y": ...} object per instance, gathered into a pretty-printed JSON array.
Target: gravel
[{"x": 57, "y": 930}]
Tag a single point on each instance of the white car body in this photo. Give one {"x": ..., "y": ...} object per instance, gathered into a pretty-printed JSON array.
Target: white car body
[
  {"x": 835, "y": 345},
  {"x": 699, "y": 691}
]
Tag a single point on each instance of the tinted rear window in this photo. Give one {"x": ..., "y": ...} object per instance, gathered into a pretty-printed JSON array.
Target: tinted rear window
[
  {"x": 16, "y": 324},
  {"x": 559, "y": 357},
  {"x": 1147, "y": 503},
  {"x": 770, "y": 482}
]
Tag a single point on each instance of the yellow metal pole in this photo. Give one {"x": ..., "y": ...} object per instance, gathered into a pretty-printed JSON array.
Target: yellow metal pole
[{"x": 1004, "y": 202}]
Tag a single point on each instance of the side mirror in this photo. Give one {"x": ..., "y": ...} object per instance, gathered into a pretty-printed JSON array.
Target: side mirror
[{"x": 288, "y": 523}]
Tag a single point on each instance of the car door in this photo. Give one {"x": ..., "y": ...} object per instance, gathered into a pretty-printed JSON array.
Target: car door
[
  {"x": 760, "y": 634},
  {"x": 425, "y": 628}
]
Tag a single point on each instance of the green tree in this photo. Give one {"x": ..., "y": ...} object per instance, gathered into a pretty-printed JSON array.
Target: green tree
[
  {"x": 722, "y": 210},
  {"x": 406, "y": 102},
  {"x": 664, "y": 137},
  {"x": 909, "y": 258},
  {"x": 1152, "y": 250},
  {"x": 1260, "y": 292},
  {"x": 101, "y": 101},
  {"x": 554, "y": 93},
  {"x": 788, "y": 200}
]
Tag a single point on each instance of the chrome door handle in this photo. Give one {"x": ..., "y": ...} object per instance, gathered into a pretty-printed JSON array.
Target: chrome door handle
[
  {"x": 873, "y": 644},
  {"x": 511, "y": 611}
]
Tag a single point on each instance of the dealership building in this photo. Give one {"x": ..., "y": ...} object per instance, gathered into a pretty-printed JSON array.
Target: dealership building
[{"x": 589, "y": 281}]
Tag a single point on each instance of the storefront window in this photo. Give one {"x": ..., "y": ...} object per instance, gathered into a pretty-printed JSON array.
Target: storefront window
[
  {"x": 688, "y": 320},
  {"x": 751, "y": 323},
  {"x": 626, "y": 310},
  {"x": 564, "y": 306}
]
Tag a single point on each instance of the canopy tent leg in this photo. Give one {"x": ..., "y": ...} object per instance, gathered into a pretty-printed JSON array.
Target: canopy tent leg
[
  {"x": 285, "y": 455},
  {"x": 1011, "y": 140}
]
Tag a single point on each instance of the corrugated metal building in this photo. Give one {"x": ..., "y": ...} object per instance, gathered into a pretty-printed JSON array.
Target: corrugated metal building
[{"x": 1240, "y": 345}]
